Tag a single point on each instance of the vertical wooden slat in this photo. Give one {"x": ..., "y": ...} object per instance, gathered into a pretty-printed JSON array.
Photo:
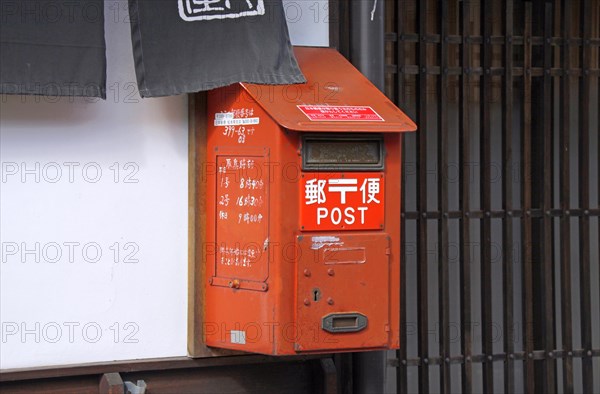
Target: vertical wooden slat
[
  {"x": 422, "y": 204},
  {"x": 334, "y": 24},
  {"x": 401, "y": 354},
  {"x": 547, "y": 249},
  {"x": 328, "y": 376},
  {"x": 465, "y": 176},
  {"x": 402, "y": 378},
  {"x": 339, "y": 26},
  {"x": 485, "y": 193},
  {"x": 507, "y": 224},
  {"x": 526, "y": 152},
  {"x": 400, "y": 50},
  {"x": 565, "y": 219},
  {"x": 584, "y": 194},
  {"x": 443, "y": 144}
]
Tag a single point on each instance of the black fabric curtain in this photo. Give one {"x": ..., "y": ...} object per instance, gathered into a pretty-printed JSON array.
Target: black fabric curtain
[
  {"x": 52, "y": 48},
  {"x": 183, "y": 46},
  {"x": 57, "y": 48}
]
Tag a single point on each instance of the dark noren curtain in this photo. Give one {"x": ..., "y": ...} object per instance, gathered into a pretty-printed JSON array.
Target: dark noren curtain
[
  {"x": 183, "y": 46},
  {"x": 50, "y": 47}
]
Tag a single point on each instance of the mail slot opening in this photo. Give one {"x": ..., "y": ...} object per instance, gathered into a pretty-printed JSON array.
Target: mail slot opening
[
  {"x": 356, "y": 153},
  {"x": 345, "y": 322}
]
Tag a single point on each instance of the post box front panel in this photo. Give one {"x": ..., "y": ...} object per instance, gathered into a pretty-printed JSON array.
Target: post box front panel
[
  {"x": 343, "y": 291},
  {"x": 242, "y": 212},
  {"x": 342, "y": 201}
]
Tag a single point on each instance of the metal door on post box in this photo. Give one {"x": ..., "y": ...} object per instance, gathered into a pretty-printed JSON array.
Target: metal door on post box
[
  {"x": 242, "y": 258},
  {"x": 343, "y": 291}
]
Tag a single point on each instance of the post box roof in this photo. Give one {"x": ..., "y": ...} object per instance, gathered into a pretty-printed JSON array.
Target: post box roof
[{"x": 335, "y": 98}]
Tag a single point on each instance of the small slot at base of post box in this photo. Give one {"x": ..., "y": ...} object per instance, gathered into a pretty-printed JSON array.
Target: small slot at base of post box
[{"x": 344, "y": 322}]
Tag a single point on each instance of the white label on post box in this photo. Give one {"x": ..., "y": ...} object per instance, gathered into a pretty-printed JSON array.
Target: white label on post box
[{"x": 238, "y": 337}]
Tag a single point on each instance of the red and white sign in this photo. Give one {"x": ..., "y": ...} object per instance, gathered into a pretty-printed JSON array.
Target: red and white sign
[
  {"x": 347, "y": 113},
  {"x": 336, "y": 201}
]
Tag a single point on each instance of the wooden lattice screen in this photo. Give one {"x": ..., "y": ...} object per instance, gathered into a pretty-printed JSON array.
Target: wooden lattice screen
[{"x": 500, "y": 272}]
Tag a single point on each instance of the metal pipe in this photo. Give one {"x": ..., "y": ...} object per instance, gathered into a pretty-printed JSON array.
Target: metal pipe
[
  {"x": 367, "y": 39},
  {"x": 367, "y": 53}
]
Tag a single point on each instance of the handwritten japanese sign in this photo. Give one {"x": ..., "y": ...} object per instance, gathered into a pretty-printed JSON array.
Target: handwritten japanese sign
[
  {"x": 242, "y": 217},
  {"x": 336, "y": 201}
]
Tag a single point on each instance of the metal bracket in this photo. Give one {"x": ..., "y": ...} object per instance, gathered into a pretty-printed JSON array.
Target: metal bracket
[{"x": 139, "y": 388}]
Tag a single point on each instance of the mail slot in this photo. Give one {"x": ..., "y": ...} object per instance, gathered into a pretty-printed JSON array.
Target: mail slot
[{"x": 303, "y": 213}]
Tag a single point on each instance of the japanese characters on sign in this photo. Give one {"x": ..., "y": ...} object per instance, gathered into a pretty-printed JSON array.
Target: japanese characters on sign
[
  {"x": 238, "y": 123},
  {"x": 198, "y": 10},
  {"x": 348, "y": 113},
  {"x": 335, "y": 201},
  {"x": 241, "y": 214}
]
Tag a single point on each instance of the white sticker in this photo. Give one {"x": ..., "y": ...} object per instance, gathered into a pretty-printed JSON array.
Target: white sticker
[
  {"x": 319, "y": 242},
  {"x": 238, "y": 337},
  {"x": 228, "y": 119},
  {"x": 325, "y": 238}
]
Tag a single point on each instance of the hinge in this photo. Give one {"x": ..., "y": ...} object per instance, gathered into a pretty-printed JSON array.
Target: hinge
[{"x": 388, "y": 251}]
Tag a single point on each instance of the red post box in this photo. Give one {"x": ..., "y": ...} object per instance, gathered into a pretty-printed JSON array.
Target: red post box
[{"x": 303, "y": 213}]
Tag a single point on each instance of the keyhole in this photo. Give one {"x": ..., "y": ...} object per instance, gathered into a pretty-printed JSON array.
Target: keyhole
[{"x": 316, "y": 295}]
